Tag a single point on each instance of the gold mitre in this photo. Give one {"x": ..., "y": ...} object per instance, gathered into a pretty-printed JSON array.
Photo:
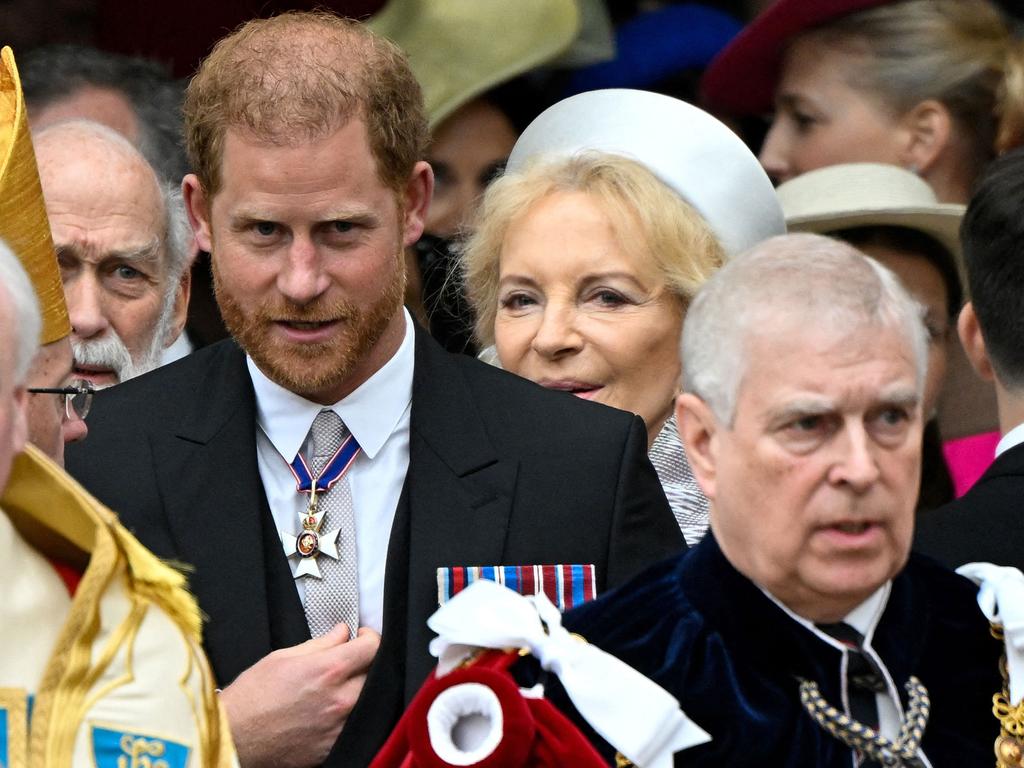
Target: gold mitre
[{"x": 23, "y": 223}]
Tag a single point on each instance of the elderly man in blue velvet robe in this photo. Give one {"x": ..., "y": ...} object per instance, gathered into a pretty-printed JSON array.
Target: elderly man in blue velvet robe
[{"x": 802, "y": 632}]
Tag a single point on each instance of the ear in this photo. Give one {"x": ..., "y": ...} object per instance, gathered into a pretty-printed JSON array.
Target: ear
[
  {"x": 180, "y": 312},
  {"x": 19, "y": 425},
  {"x": 699, "y": 432},
  {"x": 974, "y": 343},
  {"x": 198, "y": 207},
  {"x": 416, "y": 198},
  {"x": 928, "y": 127}
]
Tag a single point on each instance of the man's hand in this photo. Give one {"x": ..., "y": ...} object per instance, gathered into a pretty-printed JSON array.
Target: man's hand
[{"x": 288, "y": 708}]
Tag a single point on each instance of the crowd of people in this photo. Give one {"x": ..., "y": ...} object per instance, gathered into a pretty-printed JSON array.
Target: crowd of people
[{"x": 370, "y": 402}]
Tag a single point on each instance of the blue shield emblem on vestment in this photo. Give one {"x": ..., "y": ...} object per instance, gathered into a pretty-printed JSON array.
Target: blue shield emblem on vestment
[
  {"x": 120, "y": 749},
  {"x": 4, "y": 760},
  {"x": 13, "y": 727}
]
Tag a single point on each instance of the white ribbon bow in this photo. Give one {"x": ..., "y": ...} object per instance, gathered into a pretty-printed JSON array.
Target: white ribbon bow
[
  {"x": 1001, "y": 598},
  {"x": 636, "y": 716}
]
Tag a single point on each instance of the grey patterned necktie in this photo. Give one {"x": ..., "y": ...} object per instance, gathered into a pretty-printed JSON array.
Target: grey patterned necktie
[{"x": 334, "y": 597}]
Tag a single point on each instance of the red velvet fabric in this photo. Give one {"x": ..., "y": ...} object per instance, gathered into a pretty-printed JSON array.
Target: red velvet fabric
[
  {"x": 70, "y": 576},
  {"x": 535, "y": 734}
]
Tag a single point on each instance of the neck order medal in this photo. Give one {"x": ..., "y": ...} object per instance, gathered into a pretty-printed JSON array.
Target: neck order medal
[{"x": 311, "y": 541}]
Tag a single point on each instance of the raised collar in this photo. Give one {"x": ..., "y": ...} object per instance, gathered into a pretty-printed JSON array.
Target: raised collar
[
  {"x": 864, "y": 618},
  {"x": 371, "y": 412},
  {"x": 758, "y": 627},
  {"x": 763, "y": 632}
]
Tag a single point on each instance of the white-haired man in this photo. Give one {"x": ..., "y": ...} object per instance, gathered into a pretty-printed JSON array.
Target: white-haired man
[
  {"x": 99, "y": 642},
  {"x": 122, "y": 242},
  {"x": 20, "y": 326},
  {"x": 800, "y": 622}
]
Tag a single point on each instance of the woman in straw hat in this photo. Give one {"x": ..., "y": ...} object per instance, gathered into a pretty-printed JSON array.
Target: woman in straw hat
[
  {"x": 894, "y": 217},
  {"x": 613, "y": 212},
  {"x": 468, "y": 58}
]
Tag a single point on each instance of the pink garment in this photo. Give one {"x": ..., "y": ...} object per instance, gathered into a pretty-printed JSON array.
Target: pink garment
[{"x": 968, "y": 458}]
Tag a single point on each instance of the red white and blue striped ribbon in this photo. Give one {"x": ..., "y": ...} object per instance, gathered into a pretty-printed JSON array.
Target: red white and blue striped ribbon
[{"x": 567, "y": 586}]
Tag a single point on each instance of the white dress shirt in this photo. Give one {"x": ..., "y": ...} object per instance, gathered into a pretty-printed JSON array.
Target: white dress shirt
[
  {"x": 1011, "y": 439},
  {"x": 181, "y": 347},
  {"x": 864, "y": 618},
  {"x": 377, "y": 414}
]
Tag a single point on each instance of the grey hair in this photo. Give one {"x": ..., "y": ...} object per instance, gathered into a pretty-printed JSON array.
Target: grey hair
[
  {"x": 177, "y": 257},
  {"x": 786, "y": 282},
  {"x": 178, "y": 232},
  {"x": 28, "y": 322},
  {"x": 178, "y": 240},
  {"x": 52, "y": 73}
]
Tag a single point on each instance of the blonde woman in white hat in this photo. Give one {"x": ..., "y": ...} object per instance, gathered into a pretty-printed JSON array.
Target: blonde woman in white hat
[
  {"x": 616, "y": 206},
  {"x": 893, "y": 216}
]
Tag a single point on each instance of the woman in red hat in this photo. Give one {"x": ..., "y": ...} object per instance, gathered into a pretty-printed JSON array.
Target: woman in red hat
[{"x": 933, "y": 86}]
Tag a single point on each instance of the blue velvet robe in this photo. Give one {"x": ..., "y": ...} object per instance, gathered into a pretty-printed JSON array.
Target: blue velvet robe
[{"x": 732, "y": 657}]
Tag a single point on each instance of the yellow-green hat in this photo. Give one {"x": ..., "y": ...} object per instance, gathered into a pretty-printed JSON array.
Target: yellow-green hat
[
  {"x": 459, "y": 49},
  {"x": 23, "y": 223}
]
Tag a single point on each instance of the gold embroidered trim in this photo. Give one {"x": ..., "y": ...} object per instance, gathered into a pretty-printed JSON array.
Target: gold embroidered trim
[{"x": 15, "y": 702}]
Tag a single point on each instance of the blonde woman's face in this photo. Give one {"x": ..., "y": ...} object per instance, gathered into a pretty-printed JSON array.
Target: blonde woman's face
[
  {"x": 820, "y": 120},
  {"x": 579, "y": 313}
]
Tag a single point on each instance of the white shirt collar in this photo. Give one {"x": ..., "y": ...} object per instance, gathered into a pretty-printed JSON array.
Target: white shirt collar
[
  {"x": 864, "y": 618},
  {"x": 1011, "y": 439},
  {"x": 371, "y": 412}
]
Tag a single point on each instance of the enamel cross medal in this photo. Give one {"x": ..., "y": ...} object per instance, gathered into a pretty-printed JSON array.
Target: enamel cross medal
[{"x": 311, "y": 542}]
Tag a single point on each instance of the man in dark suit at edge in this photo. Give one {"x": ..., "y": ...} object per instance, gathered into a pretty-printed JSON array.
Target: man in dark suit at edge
[
  {"x": 305, "y": 133},
  {"x": 987, "y": 522}
]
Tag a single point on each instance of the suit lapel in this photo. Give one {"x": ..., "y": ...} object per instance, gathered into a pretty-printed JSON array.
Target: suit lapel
[
  {"x": 383, "y": 699},
  {"x": 460, "y": 492},
  {"x": 454, "y": 510},
  {"x": 217, "y": 512}
]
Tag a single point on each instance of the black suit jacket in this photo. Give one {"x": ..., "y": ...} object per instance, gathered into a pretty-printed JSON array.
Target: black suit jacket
[
  {"x": 501, "y": 472},
  {"x": 986, "y": 523}
]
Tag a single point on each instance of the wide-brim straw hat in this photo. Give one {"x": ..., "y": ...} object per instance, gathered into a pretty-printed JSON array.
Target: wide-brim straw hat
[
  {"x": 460, "y": 49},
  {"x": 869, "y": 194},
  {"x": 741, "y": 80},
  {"x": 23, "y": 223},
  {"x": 692, "y": 152}
]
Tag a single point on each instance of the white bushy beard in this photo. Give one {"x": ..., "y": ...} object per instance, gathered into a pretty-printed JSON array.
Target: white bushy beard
[{"x": 111, "y": 352}]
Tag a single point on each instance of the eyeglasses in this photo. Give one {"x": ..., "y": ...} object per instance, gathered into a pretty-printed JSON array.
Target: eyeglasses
[{"x": 77, "y": 398}]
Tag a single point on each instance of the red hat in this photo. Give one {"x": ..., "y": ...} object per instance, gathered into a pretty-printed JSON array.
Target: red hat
[{"x": 741, "y": 79}]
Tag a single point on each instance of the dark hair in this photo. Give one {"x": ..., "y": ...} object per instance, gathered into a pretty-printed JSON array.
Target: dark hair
[
  {"x": 917, "y": 243},
  {"x": 54, "y": 72},
  {"x": 992, "y": 235}
]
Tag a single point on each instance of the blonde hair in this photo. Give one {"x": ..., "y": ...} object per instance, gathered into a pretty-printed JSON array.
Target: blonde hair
[
  {"x": 961, "y": 53},
  {"x": 301, "y": 76},
  {"x": 645, "y": 214}
]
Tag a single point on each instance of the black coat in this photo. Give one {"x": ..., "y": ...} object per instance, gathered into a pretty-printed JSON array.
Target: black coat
[
  {"x": 985, "y": 524},
  {"x": 501, "y": 472},
  {"x": 734, "y": 659}
]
